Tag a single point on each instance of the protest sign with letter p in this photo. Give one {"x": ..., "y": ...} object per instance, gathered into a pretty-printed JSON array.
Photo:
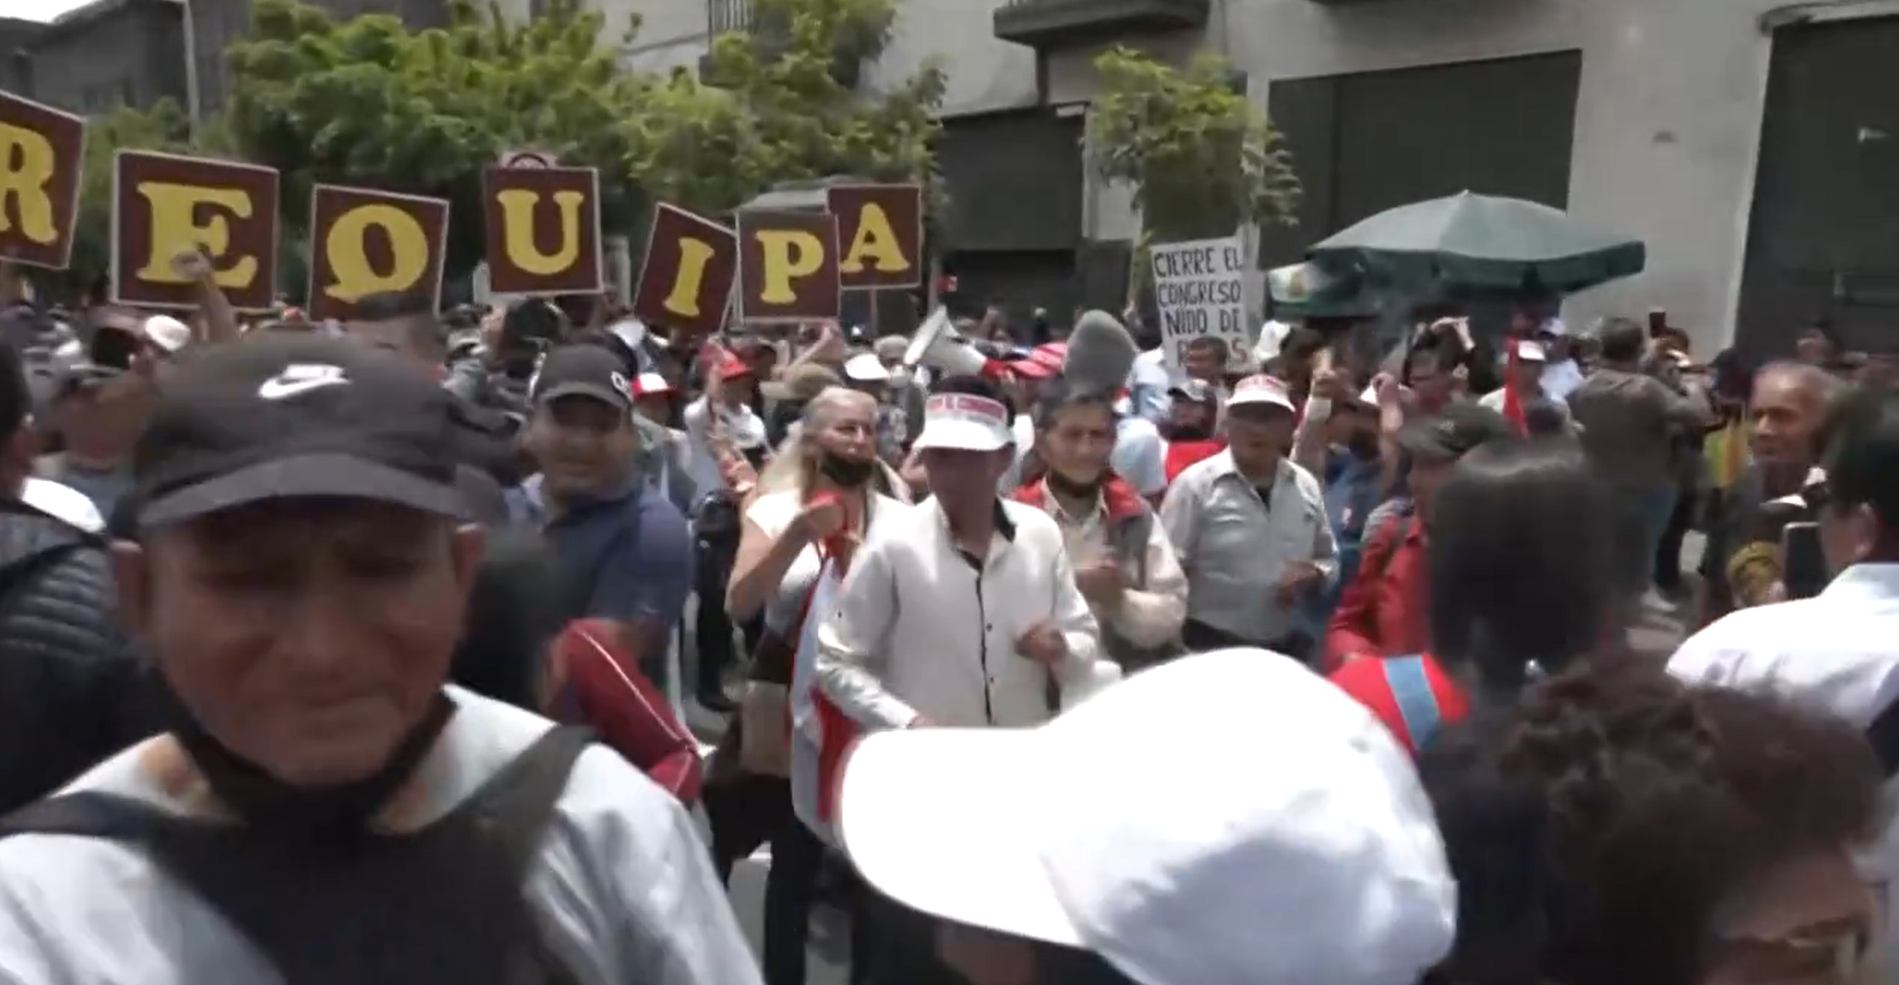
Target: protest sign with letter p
[
  {"x": 42, "y": 152},
  {"x": 787, "y": 266}
]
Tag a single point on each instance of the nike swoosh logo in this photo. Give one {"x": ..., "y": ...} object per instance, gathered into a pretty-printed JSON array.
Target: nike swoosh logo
[{"x": 279, "y": 389}]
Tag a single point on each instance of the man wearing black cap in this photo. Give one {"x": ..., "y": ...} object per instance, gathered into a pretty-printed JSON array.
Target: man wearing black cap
[
  {"x": 322, "y": 807},
  {"x": 626, "y": 549}
]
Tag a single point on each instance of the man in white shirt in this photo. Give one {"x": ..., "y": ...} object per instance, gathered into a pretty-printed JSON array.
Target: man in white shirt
[
  {"x": 1837, "y": 651},
  {"x": 963, "y": 611},
  {"x": 1250, "y": 528}
]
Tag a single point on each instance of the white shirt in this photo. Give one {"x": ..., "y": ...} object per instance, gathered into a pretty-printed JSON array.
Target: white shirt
[
  {"x": 62, "y": 502},
  {"x": 622, "y": 885},
  {"x": 773, "y": 513},
  {"x": 740, "y": 425},
  {"x": 1836, "y": 652},
  {"x": 918, "y": 630},
  {"x": 1139, "y": 455},
  {"x": 1236, "y": 547}
]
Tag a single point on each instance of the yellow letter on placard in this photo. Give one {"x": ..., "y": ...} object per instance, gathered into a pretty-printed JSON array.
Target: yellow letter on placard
[
  {"x": 175, "y": 227},
  {"x": 354, "y": 278},
  {"x": 789, "y": 254},
  {"x": 876, "y": 240},
  {"x": 25, "y": 186},
  {"x": 694, "y": 254},
  {"x": 517, "y": 224}
]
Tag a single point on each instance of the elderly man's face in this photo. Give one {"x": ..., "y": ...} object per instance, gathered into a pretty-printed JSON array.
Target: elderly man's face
[{"x": 309, "y": 636}]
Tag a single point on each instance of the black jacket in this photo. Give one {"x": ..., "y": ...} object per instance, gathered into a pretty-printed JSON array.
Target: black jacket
[{"x": 71, "y": 692}]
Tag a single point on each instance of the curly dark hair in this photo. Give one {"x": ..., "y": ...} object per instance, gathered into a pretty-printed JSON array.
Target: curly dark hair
[{"x": 1595, "y": 828}]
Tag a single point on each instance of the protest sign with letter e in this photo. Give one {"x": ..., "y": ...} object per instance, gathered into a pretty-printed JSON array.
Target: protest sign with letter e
[
  {"x": 365, "y": 242},
  {"x": 163, "y": 204},
  {"x": 787, "y": 266},
  {"x": 1200, "y": 289},
  {"x": 543, "y": 227},
  {"x": 879, "y": 235},
  {"x": 42, "y": 152},
  {"x": 686, "y": 278}
]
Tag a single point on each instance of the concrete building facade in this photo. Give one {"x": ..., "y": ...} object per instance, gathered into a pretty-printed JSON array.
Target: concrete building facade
[
  {"x": 106, "y": 54},
  {"x": 1753, "y": 144}
]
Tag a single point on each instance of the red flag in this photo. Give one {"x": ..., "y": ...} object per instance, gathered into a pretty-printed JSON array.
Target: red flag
[{"x": 1512, "y": 400}]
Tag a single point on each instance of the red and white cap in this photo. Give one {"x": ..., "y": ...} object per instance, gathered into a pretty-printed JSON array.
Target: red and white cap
[
  {"x": 1262, "y": 389},
  {"x": 647, "y": 384},
  {"x": 966, "y": 422}
]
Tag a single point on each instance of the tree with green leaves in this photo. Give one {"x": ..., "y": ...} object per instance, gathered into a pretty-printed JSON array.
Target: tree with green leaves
[
  {"x": 367, "y": 102},
  {"x": 1203, "y": 160},
  {"x": 775, "y": 109}
]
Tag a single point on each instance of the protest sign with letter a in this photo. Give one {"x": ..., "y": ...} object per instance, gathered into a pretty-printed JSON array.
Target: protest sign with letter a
[
  {"x": 686, "y": 279},
  {"x": 163, "y": 205},
  {"x": 787, "y": 266},
  {"x": 365, "y": 242},
  {"x": 879, "y": 235},
  {"x": 1200, "y": 289},
  {"x": 543, "y": 227},
  {"x": 42, "y": 152}
]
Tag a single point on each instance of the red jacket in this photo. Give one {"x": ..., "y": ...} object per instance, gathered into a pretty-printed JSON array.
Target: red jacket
[
  {"x": 588, "y": 664},
  {"x": 1371, "y": 683},
  {"x": 1384, "y": 611},
  {"x": 1181, "y": 454}
]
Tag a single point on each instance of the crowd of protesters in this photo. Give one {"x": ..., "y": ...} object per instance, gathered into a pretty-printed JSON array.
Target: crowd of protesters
[{"x": 355, "y": 652}]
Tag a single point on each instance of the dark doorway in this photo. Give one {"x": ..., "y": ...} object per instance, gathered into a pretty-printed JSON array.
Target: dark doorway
[
  {"x": 1823, "y": 239},
  {"x": 1371, "y": 141}
]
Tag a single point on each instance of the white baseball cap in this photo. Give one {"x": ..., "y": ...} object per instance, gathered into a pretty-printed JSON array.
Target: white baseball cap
[
  {"x": 865, "y": 367},
  {"x": 1531, "y": 352},
  {"x": 167, "y": 333},
  {"x": 1224, "y": 819},
  {"x": 1261, "y": 389},
  {"x": 964, "y": 421}
]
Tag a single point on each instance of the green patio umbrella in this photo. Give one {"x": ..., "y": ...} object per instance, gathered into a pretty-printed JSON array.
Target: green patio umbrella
[{"x": 1481, "y": 244}]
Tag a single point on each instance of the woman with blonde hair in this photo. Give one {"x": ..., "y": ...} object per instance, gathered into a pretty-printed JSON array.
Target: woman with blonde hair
[{"x": 811, "y": 506}]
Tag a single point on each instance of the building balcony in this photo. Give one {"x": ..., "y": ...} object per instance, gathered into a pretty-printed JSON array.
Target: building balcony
[
  {"x": 770, "y": 37},
  {"x": 1044, "y": 24}
]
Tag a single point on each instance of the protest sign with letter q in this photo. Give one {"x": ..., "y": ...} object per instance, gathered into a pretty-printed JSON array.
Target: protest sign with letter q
[
  {"x": 42, "y": 152},
  {"x": 163, "y": 204},
  {"x": 365, "y": 242},
  {"x": 1200, "y": 289},
  {"x": 787, "y": 266},
  {"x": 686, "y": 279},
  {"x": 879, "y": 235},
  {"x": 543, "y": 227}
]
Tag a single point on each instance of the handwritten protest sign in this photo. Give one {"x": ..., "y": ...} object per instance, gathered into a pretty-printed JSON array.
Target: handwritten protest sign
[{"x": 1200, "y": 289}]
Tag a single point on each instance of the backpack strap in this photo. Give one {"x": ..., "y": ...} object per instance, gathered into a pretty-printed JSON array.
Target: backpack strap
[
  {"x": 86, "y": 814},
  {"x": 1883, "y": 733},
  {"x": 518, "y": 802},
  {"x": 1417, "y": 703}
]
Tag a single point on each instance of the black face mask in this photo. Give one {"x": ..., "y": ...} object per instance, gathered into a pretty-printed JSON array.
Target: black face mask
[
  {"x": 269, "y": 804},
  {"x": 847, "y": 473},
  {"x": 1062, "y": 485}
]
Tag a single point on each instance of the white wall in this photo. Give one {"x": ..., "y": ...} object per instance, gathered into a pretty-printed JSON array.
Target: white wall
[{"x": 1667, "y": 115}]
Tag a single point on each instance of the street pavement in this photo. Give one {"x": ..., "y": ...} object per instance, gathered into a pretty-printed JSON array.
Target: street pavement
[{"x": 1658, "y": 630}]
